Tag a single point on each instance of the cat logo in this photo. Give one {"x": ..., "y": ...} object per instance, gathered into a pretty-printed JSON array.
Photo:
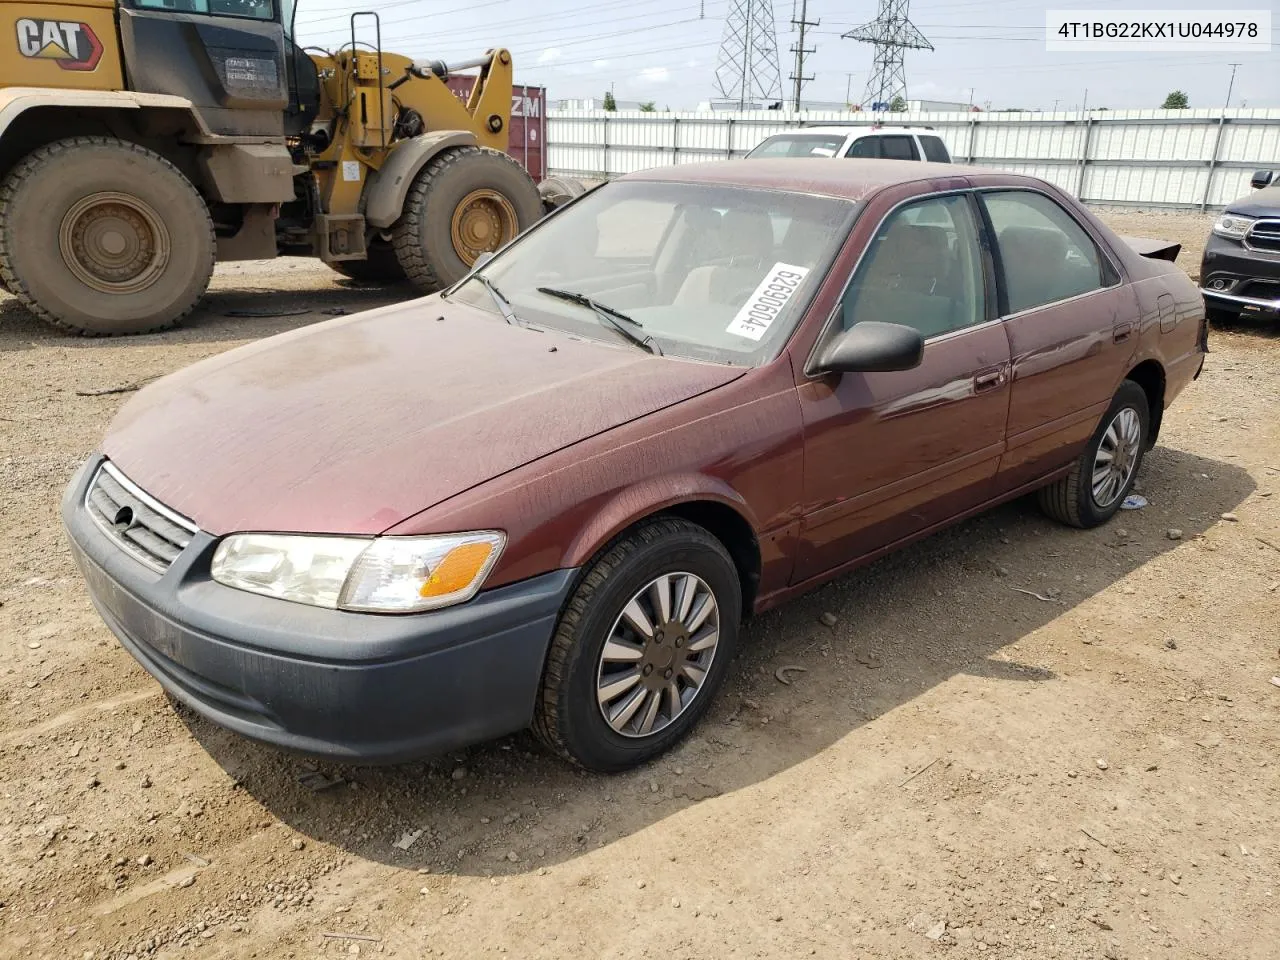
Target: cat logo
[{"x": 71, "y": 45}]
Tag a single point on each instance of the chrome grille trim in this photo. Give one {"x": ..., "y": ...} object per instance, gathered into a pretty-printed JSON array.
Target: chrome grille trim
[
  {"x": 1263, "y": 236},
  {"x": 155, "y": 537}
]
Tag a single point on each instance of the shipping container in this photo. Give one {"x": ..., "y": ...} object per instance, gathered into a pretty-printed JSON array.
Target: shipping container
[{"x": 528, "y": 123}]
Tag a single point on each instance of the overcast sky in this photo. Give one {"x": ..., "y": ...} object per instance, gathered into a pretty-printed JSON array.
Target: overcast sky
[{"x": 665, "y": 50}]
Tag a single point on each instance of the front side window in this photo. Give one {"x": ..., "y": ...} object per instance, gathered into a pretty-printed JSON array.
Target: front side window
[
  {"x": 715, "y": 273},
  {"x": 922, "y": 269},
  {"x": 251, "y": 9},
  {"x": 867, "y": 148},
  {"x": 1046, "y": 255},
  {"x": 817, "y": 145},
  {"x": 898, "y": 148}
]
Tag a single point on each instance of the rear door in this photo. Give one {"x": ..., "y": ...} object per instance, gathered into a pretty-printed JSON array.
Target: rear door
[
  {"x": 1071, "y": 324},
  {"x": 890, "y": 454},
  {"x": 885, "y": 146}
]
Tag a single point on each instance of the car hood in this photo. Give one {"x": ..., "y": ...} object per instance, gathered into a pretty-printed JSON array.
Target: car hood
[
  {"x": 1260, "y": 203},
  {"x": 354, "y": 425}
]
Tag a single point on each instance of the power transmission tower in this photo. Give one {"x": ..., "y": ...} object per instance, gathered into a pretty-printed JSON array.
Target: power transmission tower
[
  {"x": 893, "y": 34},
  {"x": 747, "y": 67},
  {"x": 800, "y": 50}
]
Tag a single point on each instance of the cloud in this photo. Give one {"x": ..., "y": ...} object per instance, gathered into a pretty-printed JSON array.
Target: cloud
[
  {"x": 655, "y": 75},
  {"x": 599, "y": 63},
  {"x": 551, "y": 53}
]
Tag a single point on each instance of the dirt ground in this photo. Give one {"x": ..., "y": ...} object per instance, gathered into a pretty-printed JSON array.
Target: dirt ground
[{"x": 960, "y": 767}]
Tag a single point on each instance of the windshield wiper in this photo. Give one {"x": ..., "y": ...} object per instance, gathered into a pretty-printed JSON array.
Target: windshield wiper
[
  {"x": 503, "y": 306},
  {"x": 614, "y": 318}
]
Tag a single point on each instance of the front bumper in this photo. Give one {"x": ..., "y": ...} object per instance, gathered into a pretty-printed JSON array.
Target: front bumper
[
  {"x": 1236, "y": 278},
  {"x": 360, "y": 687}
]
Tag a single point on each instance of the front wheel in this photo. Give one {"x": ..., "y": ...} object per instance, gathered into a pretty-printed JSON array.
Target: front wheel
[
  {"x": 1105, "y": 472},
  {"x": 642, "y": 647},
  {"x": 466, "y": 201},
  {"x": 104, "y": 237}
]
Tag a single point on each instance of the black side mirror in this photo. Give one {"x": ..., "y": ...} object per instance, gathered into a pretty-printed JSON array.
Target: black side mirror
[
  {"x": 872, "y": 346},
  {"x": 1261, "y": 178}
]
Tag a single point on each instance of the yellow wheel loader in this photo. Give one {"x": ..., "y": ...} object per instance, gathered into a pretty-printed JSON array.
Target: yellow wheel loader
[{"x": 143, "y": 140}]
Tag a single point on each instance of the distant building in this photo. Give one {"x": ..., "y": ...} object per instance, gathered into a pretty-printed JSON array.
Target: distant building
[
  {"x": 937, "y": 106},
  {"x": 593, "y": 103}
]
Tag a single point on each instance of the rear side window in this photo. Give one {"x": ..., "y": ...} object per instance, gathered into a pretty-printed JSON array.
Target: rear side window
[
  {"x": 898, "y": 148},
  {"x": 935, "y": 150},
  {"x": 1046, "y": 255}
]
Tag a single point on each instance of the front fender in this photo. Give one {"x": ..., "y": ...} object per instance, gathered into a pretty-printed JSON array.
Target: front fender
[
  {"x": 15, "y": 101},
  {"x": 654, "y": 495},
  {"x": 389, "y": 185}
]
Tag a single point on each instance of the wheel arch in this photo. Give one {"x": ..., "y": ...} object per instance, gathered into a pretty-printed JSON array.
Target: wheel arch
[
  {"x": 705, "y": 501},
  {"x": 32, "y": 118},
  {"x": 388, "y": 186},
  {"x": 1150, "y": 376}
]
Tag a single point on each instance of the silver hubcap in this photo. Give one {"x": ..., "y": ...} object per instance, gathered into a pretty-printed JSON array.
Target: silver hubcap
[
  {"x": 658, "y": 654},
  {"x": 1116, "y": 457}
]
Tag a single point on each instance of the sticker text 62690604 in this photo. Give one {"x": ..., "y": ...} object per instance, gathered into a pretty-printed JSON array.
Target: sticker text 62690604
[{"x": 767, "y": 301}]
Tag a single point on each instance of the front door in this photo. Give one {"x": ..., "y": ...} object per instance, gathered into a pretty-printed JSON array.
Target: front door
[{"x": 888, "y": 455}]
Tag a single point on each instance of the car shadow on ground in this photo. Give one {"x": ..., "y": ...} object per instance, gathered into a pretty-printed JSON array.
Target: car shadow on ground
[
  {"x": 229, "y": 314},
  {"x": 510, "y": 807}
]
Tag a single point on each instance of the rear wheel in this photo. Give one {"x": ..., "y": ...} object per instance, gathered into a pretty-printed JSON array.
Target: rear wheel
[
  {"x": 1105, "y": 472},
  {"x": 642, "y": 647},
  {"x": 1219, "y": 317},
  {"x": 104, "y": 237},
  {"x": 380, "y": 267},
  {"x": 466, "y": 201}
]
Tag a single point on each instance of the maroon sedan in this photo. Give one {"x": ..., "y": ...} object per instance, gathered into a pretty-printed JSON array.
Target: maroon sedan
[{"x": 550, "y": 495}]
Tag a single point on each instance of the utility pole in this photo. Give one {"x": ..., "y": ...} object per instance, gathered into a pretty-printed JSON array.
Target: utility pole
[
  {"x": 1055, "y": 104},
  {"x": 800, "y": 50},
  {"x": 1230, "y": 85},
  {"x": 848, "y": 90}
]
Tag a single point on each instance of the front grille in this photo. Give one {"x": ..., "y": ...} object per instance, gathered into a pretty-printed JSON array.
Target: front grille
[
  {"x": 1264, "y": 235},
  {"x": 139, "y": 524}
]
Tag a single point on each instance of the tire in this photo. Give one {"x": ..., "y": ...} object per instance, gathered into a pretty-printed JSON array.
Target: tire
[
  {"x": 381, "y": 266},
  {"x": 424, "y": 234},
  {"x": 568, "y": 717},
  {"x": 1071, "y": 499},
  {"x": 107, "y": 197},
  {"x": 557, "y": 191}
]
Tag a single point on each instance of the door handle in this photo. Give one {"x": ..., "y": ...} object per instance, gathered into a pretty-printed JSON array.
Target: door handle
[
  {"x": 1122, "y": 332},
  {"x": 985, "y": 381}
]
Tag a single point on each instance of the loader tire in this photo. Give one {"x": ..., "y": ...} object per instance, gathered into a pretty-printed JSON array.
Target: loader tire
[
  {"x": 104, "y": 237},
  {"x": 382, "y": 266},
  {"x": 466, "y": 201}
]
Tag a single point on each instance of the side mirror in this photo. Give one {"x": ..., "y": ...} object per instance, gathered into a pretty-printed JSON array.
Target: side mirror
[
  {"x": 482, "y": 259},
  {"x": 872, "y": 346},
  {"x": 1261, "y": 179}
]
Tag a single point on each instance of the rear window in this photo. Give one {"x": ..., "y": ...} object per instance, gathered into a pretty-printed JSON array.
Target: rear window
[
  {"x": 934, "y": 149},
  {"x": 815, "y": 145}
]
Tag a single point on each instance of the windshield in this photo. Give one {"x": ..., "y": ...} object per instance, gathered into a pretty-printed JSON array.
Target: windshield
[
  {"x": 795, "y": 145},
  {"x": 707, "y": 272}
]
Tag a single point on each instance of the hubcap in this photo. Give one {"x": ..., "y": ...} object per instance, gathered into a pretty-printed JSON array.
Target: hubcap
[
  {"x": 482, "y": 223},
  {"x": 114, "y": 243},
  {"x": 658, "y": 654},
  {"x": 1117, "y": 457}
]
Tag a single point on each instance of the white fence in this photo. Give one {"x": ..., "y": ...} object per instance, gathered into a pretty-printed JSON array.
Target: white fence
[{"x": 1186, "y": 159}]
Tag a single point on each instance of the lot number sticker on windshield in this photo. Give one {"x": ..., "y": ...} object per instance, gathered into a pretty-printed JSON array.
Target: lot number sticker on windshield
[{"x": 767, "y": 301}]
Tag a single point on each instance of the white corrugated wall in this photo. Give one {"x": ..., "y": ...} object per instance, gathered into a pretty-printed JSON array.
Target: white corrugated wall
[{"x": 1169, "y": 158}]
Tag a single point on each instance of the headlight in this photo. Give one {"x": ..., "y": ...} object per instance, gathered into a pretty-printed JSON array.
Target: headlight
[
  {"x": 379, "y": 575},
  {"x": 1232, "y": 225}
]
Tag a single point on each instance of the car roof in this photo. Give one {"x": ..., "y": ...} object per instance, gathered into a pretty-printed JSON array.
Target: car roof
[
  {"x": 860, "y": 129},
  {"x": 849, "y": 179}
]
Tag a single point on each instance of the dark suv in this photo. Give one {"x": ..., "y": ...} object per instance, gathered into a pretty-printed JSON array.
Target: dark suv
[{"x": 1240, "y": 273}]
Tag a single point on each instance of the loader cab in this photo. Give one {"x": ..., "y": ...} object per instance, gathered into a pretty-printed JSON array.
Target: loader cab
[{"x": 230, "y": 58}]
